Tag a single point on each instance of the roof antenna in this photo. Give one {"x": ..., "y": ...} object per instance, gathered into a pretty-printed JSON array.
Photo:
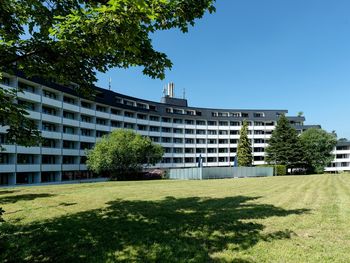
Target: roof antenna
[
  {"x": 184, "y": 93},
  {"x": 109, "y": 83}
]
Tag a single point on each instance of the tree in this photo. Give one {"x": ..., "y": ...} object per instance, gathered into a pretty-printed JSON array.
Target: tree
[
  {"x": 123, "y": 152},
  {"x": 13, "y": 116},
  {"x": 244, "y": 151},
  {"x": 318, "y": 146},
  {"x": 69, "y": 40},
  {"x": 284, "y": 145}
]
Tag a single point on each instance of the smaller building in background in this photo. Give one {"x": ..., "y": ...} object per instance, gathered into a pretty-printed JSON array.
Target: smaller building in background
[{"x": 341, "y": 161}]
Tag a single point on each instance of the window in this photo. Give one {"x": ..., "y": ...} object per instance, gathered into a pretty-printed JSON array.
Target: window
[
  {"x": 244, "y": 115},
  {"x": 200, "y": 132},
  {"x": 49, "y": 143},
  {"x": 177, "y": 160},
  {"x": 165, "y": 119},
  {"x": 86, "y": 145},
  {"x": 235, "y": 114},
  {"x": 211, "y": 150},
  {"x": 178, "y": 150},
  {"x": 223, "y": 123},
  {"x": 189, "y": 160},
  {"x": 212, "y": 132},
  {"x": 153, "y": 118},
  {"x": 176, "y": 130},
  {"x": 101, "y": 108},
  {"x": 211, "y": 159},
  {"x": 178, "y": 111},
  {"x": 200, "y": 150},
  {"x": 128, "y": 125},
  {"x": 5, "y": 81},
  {"x": 68, "y": 100},
  {"x": 142, "y": 127},
  {"x": 26, "y": 87},
  {"x": 223, "y": 132},
  {"x": 68, "y": 129},
  {"x": 48, "y": 110},
  {"x": 68, "y": 115},
  {"x": 166, "y": 139},
  {"x": 189, "y": 141},
  {"x": 154, "y": 139},
  {"x": 85, "y": 118},
  {"x": 25, "y": 159},
  {"x": 117, "y": 124},
  {"x": 68, "y": 160},
  {"x": 212, "y": 141},
  {"x": 233, "y": 141},
  {"x": 142, "y": 116},
  {"x": 49, "y": 94},
  {"x": 177, "y": 120},
  {"x": 115, "y": 111},
  {"x": 141, "y": 106},
  {"x": 86, "y": 132},
  {"x": 235, "y": 123},
  {"x": 234, "y": 132},
  {"x": 189, "y": 131},
  {"x": 259, "y": 114},
  {"x": 85, "y": 104},
  {"x": 199, "y": 122},
  {"x": 101, "y": 121},
  {"x": 178, "y": 140},
  {"x": 189, "y": 150},
  {"x": 100, "y": 133},
  {"x": 68, "y": 144},
  {"x": 129, "y": 114},
  {"x": 166, "y": 129},
  {"x": 212, "y": 123},
  {"x": 200, "y": 141},
  {"x": 129, "y": 103},
  {"x": 190, "y": 122},
  {"x": 154, "y": 129},
  {"x": 27, "y": 105},
  {"x": 4, "y": 158},
  {"x": 223, "y": 150},
  {"x": 48, "y": 159},
  {"x": 48, "y": 126},
  {"x": 223, "y": 141}
]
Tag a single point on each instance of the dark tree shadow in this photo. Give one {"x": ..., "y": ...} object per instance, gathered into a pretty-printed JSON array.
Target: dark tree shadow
[
  {"x": 23, "y": 197},
  {"x": 6, "y": 192},
  {"x": 169, "y": 230}
]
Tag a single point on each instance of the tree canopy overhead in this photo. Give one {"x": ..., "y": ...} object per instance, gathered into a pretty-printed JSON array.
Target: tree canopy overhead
[{"x": 69, "y": 40}]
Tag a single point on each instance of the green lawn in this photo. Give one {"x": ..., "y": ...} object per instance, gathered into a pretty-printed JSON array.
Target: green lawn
[{"x": 279, "y": 219}]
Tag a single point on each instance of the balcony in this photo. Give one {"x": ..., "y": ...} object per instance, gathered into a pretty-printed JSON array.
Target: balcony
[
  {"x": 103, "y": 127},
  {"x": 29, "y": 96},
  {"x": 70, "y": 122},
  {"x": 34, "y": 115},
  {"x": 71, "y": 107},
  {"x": 52, "y": 102},
  {"x": 28, "y": 167},
  {"x": 9, "y": 148},
  {"x": 28, "y": 150},
  {"x": 87, "y": 125},
  {"x": 51, "y": 118},
  {"x": 87, "y": 111},
  {"x": 102, "y": 114},
  {"x": 70, "y": 167},
  {"x": 51, "y": 151},
  {"x": 50, "y": 167},
  {"x": 70, "y": 137},
  {"x": 74, "y": 152},
  {"x": 51, "y": 134},
  {"x": 8, "y": 168}
]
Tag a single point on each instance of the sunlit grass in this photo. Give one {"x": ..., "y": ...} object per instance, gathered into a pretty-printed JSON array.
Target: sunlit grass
[{"x": 279, "y": 219}]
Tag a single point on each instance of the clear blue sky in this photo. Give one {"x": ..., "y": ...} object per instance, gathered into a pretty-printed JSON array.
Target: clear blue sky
[{"x": 270, "y": 54}]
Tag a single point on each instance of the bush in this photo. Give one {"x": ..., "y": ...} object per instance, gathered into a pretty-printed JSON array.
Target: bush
[
  {"x": 1, "y": 213},
  {"x": 278, "y": 169}
]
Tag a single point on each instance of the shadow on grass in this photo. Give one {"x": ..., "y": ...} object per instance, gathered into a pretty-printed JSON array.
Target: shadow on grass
[
  {"x": 24, "y": 197},
  {"x": 6, "y": 192},
  {"x": 169, "y": 230}
]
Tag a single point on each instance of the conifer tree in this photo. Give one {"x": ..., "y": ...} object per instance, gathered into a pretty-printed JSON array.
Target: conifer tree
[
  {"x": 284, "y": 145},
  {"x": 244, "y": 151}
]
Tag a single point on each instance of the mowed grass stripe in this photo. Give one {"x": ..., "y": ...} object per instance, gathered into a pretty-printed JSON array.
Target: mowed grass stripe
[{"x": 279, "y": 219}]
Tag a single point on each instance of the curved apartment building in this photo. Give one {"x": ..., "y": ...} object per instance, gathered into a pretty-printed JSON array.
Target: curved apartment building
[{"x": 70, "y": 124}]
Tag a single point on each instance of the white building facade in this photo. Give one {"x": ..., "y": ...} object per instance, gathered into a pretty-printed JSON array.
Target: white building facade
[
  {"x": 71, "y": 124},
  {"x": 341, "y": 161}
]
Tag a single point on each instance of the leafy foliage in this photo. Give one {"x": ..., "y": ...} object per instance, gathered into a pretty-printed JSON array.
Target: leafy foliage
[
  {"x": 123, "y": 152},
  {"x": 1, "y": 213},
  {"x": 244, "y": 151},
  {"x": 70, "y": 40},
  {"x": 20, "y": 129},
  {"x": 318, "y": 146},
  {"x": 284, "y": 145}
]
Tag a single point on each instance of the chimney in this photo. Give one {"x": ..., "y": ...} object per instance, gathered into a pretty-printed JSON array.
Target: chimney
[{"x": 171, "y": 87}]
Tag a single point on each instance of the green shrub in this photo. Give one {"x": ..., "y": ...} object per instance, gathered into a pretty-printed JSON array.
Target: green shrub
[
  {"x": 1, "y": 213},
  {"x": 278, "y": 169}
]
